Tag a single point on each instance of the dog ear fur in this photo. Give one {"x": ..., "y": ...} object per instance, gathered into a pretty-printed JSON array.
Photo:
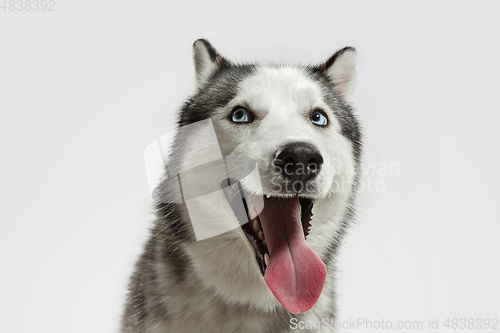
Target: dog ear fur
[
  {"x": 341, "y": 70},
  {"x": 206, "y": 61}
]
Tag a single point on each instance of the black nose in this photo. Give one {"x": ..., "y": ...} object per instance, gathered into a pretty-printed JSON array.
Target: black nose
[{"x": 298, "y": 161}]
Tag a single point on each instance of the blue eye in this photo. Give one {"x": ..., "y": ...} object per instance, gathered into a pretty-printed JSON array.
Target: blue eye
[
  {"x": 241, "y": 115},
  {"x": 319, "y": 118}
]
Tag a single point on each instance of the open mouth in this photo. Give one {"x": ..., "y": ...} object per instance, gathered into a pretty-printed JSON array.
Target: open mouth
[
  {"x": 256, "y": 236},
  {"x": 291, "y": 269}
]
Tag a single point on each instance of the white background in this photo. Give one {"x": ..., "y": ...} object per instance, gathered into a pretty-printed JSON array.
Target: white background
[{"x": 84, "y": 89}]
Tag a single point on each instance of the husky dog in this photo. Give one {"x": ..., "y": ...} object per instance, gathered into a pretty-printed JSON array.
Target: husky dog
[{"x": 297, "y": 125}]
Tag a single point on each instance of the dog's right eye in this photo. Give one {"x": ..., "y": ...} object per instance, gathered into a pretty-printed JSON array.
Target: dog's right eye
[{"x": 240, "y": 115}]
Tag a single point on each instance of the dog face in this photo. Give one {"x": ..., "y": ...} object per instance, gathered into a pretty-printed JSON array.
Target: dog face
[
  {"x": 302, "y": 107},
  {"x": 294, "y": 152},
  {"x": 297, "y": 125}
]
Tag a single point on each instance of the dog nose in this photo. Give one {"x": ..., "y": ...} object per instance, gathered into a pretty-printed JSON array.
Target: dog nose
[{"x": 299, "y": 161}]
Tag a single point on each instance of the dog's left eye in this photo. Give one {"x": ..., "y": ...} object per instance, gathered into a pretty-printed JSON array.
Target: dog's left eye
[
  {"x": 241, "y": 115},
  {"x": 319, "y": 118}
]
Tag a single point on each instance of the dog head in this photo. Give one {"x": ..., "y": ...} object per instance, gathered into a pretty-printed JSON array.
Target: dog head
[{"x": 296, "y": 124}]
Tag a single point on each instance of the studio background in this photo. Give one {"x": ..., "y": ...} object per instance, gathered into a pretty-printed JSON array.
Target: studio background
[{"x": 85, "y": 88}]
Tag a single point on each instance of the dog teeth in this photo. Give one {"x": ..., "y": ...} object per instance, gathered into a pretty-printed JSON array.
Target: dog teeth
[
  {"x": 251, "y": 210},
  {"x": 256, "y": 225},
  {"x": 261, "y": 235},
  {"x": 264, "y": 242},
  {"x": 266, "y": 258}
]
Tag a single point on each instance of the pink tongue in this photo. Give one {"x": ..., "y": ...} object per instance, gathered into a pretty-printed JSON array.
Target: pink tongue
[{"x": 295, "y": 273}]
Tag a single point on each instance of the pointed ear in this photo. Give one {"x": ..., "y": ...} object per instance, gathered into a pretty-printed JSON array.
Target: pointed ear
[
  {"x": 341, "y": 70},
  {"x": 206, "y": 61}
]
